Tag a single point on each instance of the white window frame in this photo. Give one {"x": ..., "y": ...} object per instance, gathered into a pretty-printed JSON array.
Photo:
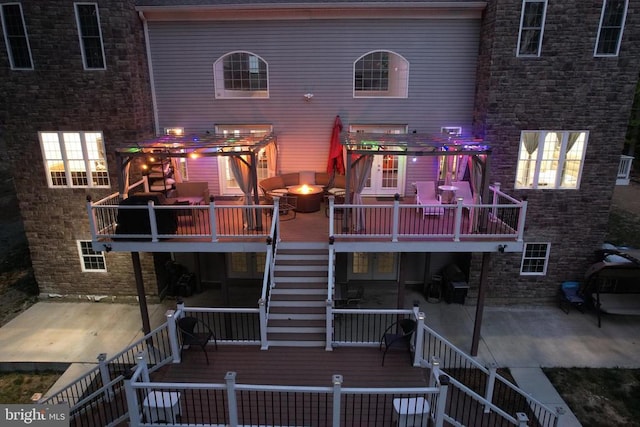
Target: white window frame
[
  {"x": 89, "y": 256},
  {"x": 539, "y": 159},
  {"x": 10, "y": 52},
  {"x": 228, "y": 185},
  {"x": 520, "y": 32},
  {"x": 93, "y": 159},
  {"x": 81, "y": 40},
  {"x": 525, "y": 258},
  {"x": 600, "y": 29},
  {"x": 221, "y": 92},
  {"x": 398, "y": 78}
]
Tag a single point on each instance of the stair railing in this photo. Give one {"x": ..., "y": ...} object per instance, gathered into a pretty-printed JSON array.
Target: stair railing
[{"x": 268, "y": 278}]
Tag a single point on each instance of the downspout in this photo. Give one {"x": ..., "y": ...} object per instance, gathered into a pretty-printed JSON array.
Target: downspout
[{"x": 147, "y": 45}]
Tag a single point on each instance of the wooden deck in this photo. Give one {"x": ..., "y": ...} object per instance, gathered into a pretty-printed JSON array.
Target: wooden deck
[{"x": 295, "y": 366}]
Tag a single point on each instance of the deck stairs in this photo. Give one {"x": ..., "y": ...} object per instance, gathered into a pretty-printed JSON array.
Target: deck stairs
[{"x": 297, "y": 306}]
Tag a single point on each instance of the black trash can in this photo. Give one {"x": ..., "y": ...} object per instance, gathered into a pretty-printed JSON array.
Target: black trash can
[{"x": 456, "y": 292}]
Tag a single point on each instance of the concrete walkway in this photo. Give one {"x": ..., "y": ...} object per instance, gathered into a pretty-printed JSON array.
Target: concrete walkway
[{"x": 524, "y": 339}]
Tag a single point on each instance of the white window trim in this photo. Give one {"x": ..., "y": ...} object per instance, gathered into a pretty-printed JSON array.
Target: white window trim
[
  {"x": 220, "y": 92},
  {"x": 82, "y": 258},
  {"x": 370, "y": 94},
  {"x": 82, "y": 47},
  {"x": 563, "y": 153},
  {"x": 65, "y": 160},
  {"x": 624, "y": 19},
  {"x": 546, "y": 259},
  {"x": 451, "y": 130},
  {"x": 544, "y": 18},
  {"x": 6, "y": 37}
]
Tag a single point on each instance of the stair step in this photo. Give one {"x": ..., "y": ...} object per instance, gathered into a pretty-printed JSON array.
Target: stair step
[
  {"x": 307, "y": 323},
  {"x": 283, "y": 336},
  {"x": 297, "y": 316},
  {"x": 309, "y": 276},
  {"x": 298, "y": 303},
  {"x": 301, "y": 285},
  {"x": 290, "y": 311},
  {"x": 321, "y": 256},
  {"x": 299, "y": 291},
  {"x": 297, "y": 343},
  {"x": 295, "y": 330},
  {"x": 303, "y": 269}
]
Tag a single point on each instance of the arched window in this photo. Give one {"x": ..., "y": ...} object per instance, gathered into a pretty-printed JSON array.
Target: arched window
[
  {"x": 381, "y": 74},
  {"x": 241, "y": 75}
]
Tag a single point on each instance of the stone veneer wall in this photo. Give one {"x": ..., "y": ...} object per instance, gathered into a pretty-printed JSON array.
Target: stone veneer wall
[
  {"x": 60, "y": 95},
  {"x": 566, "y": 88}
]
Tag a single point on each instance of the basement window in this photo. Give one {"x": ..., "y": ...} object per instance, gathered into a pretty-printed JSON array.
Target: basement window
[
  {"x": 535, "y": 259},
  {"x": 90, "y": 260}
]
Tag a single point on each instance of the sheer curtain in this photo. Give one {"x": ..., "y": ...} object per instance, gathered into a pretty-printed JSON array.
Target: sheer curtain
[
  {"x": 241, "y": 169},
  {"x": 361, "y": 170}
]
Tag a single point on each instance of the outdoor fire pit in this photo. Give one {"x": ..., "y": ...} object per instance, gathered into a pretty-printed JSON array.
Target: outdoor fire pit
[{"x": 309, "y": 197}]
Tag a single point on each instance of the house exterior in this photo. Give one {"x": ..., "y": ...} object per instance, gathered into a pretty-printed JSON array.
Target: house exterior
[{"x": 547, "y": 85}]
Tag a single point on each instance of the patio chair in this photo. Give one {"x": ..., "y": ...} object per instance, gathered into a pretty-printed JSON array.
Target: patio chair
[
  {"x": 569, "y": 297},
  {"x": 426, "y": 195},
  {"x": 400, "y": 339},
  {"x": 195, "y": 332}
]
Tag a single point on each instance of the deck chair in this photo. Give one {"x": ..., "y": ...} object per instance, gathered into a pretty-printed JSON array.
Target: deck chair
[
  {"x": 398, "y": 336},
  {"x": 569, "y": 297},
  {"x": 464, "y": 191},
  {"x": 195, "y": 332},
  {"x": 426, "y": 195}
]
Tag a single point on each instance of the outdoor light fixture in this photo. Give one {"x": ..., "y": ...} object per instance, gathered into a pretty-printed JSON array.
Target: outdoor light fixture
[
  {"x": 308, "y": 96},
  {"x": 501, "y": 248}
]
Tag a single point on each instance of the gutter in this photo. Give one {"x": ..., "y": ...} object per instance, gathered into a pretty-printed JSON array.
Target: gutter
[{"x": 147, "y": 45}]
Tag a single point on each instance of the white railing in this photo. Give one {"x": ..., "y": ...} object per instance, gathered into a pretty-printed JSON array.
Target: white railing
[
  {"x": 624, "y": 170},
  {"x": 502, "y": 219},
  {"x": 233, "y": 404}
]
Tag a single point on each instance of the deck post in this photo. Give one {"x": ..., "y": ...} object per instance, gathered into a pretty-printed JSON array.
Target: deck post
[
  {"x": 173, "y": 336},
  {"x": 523, "y": 420},
  {"x": 153, "y": 222},
  {"x": 212, "y": 220},
  {"x": 92, "y": 219},
  {"x": 329, "y": 324},
  {"x": 262, "y": 306},
  {"x": 395, "y": 225},
  {"x": 332, "y": 201},
  {"x": 521, "y": 218},
  {"x": 477, "y": 324},
  {"x": 104, "y": 376},
  {"x": 442, "y": 401},
  {"x": 337, "y": 395},
  {"x": 230, "y": 379},
  {"x": 142, "y": 298},
  {"x": 419, "y": 353},
  {"x": 132, "y": 404},
  {"x": 495, "y": 201},
  {"x": 457, "y": 227},
  {"x": 490, "y": 385},
  {"x": 142, "y": 364}
]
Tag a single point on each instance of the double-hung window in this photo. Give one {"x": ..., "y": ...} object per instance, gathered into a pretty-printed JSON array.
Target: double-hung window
[
  {"x": 535, "y": 258},
  {"x": 612, "y": 20},
  {"x": 381, "y": 74},
  {"x": 90, "y": 34},
  {"x": 551, "y": 159},
  {"x": 74, "y": 159},
  {"x": 15, "y": 37},
  {"x": 241, "y": 75},
  {"x": 90, "y": 260},
  {"x": 531, "y": 27}
]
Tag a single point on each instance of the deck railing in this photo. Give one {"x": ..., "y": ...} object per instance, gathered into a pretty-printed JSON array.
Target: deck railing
[
  {"x": 504, "y": 218},
  {"x": 624, "y": 170},
  {"x": 96, "y": 398},
  {"x": 235, "y": 404},
  {"x": 483, "y": 384}
]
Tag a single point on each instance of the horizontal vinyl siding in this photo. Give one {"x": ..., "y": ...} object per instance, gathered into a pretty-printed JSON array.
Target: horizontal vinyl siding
[{"x": 315, "y": 57}]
